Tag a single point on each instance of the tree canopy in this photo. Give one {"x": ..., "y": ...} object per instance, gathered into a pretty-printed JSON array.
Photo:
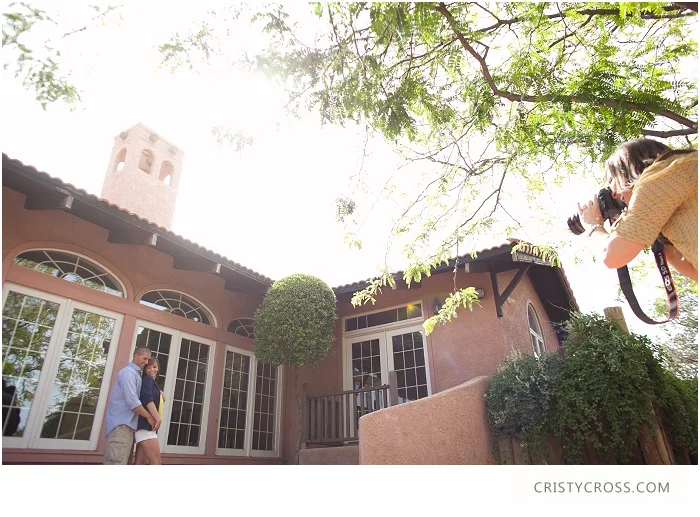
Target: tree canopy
[
  {"x": 489, "y": 98},
  {"x": 492, "y": 105}
]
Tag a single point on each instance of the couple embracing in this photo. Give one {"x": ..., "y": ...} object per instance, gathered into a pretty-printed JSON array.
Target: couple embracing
[{"x": 135, "y": 412}]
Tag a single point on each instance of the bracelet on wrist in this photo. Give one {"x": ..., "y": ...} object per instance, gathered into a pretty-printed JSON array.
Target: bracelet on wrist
[{"x": 594, "y": 228}]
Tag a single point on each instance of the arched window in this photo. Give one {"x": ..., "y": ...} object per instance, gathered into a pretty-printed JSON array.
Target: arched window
[
  {"x": 71, "y": 267},
  {"x": 535, "y": 331},
  {"x": 166, "y": 172},
  {"x": 146, "y": 161},
  {"x": 120, "y": 161},
  {"x": 243, "y": 327},
  {"x": 179, "y": 304}
]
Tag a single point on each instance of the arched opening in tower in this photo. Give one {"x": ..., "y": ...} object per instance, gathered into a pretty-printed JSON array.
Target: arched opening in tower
[
  {"x": 146, "y": 161},
  {"x": 166, "y": 172},
  {"x": 120, "y": 161}
]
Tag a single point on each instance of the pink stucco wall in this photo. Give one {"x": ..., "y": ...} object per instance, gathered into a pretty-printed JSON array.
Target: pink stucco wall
[
  {"x": 140, "y": 269},
  {"x": 472, "y": 345},
  {"x": 448, "y": 428}
]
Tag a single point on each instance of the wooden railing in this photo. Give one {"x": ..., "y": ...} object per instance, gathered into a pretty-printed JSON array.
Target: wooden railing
[{"x": 333, "y": 419}]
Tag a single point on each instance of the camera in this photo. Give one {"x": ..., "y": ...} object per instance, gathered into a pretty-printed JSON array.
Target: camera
[{"x": 610, "y": 208}]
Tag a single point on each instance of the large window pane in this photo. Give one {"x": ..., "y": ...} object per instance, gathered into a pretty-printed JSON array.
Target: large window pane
[
  {"x": 159, "y": 345},
  {"x": 71, "y": 411},
  {"x": 233, "y": 408},
  {"x": 27, "y": 326},
  {"x": 186, "y": 417}
]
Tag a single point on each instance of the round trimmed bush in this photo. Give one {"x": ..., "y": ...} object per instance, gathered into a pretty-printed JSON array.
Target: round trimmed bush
[{"x": 296, "y": 321}]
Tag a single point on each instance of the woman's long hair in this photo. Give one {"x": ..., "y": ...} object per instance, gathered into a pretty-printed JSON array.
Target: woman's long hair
[{"x": 630, "y": 159}]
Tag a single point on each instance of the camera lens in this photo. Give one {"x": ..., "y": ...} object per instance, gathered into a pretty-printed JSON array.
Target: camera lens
[{"x": 575, "y": 225}]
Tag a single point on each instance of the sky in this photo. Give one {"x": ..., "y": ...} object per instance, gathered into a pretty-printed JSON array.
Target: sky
[{"x": 270, "y": 207}]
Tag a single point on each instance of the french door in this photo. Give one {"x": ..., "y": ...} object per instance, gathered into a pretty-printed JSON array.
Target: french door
[
  {"x": 186, "y": 363},
  {"x": 57, "y": 358},
  {"x": 369, "y": 358}
]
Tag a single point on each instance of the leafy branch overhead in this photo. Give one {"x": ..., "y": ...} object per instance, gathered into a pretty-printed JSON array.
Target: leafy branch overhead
[
  {"x": 42, "y": 68},
  {"x": 483, "y": 95}
]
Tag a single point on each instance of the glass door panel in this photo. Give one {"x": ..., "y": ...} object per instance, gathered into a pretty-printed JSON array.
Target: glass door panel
[
  {"x": 27, "y": 326},
  {"x": 366, "y": 363},
  {"x": 79, "y": 378},
  {"x": 407, "y": 358},
  {"x": 365, "y": 369},
  {"x": 265, "y": 402},
  {"x": 234, "y": 401},
  {"x": 188, "y": 399}
]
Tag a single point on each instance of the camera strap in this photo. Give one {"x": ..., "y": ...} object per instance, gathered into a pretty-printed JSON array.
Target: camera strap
[{"x": 626, "y": 285}]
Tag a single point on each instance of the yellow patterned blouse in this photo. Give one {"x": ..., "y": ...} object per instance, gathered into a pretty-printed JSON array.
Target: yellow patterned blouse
[{"x": 665, "y": 200}]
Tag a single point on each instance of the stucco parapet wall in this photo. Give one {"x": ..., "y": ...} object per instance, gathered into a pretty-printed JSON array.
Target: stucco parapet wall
[{"x": 448, "y": 428}]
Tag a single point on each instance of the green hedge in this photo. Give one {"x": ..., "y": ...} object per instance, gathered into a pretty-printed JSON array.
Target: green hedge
[{"x": 596, "y": 396}]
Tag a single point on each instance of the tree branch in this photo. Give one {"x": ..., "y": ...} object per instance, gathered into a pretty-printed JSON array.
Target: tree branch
[
  {"x": 442, "y": 9},
  {"x": 668, "y": 134},
  {"x": 645, "y": 15}
]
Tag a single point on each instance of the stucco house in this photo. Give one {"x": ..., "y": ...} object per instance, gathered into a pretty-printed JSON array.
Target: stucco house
[{"x": 86, "y": 279}]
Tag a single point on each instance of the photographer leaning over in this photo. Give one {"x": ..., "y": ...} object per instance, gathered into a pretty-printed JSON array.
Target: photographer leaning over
[{"x": 659, "y": 186}]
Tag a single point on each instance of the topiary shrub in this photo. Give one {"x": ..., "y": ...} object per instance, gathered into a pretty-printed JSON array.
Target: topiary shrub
[{"x": 295, "y": 325}]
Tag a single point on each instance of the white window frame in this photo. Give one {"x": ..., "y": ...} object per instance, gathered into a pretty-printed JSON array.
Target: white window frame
[
  {"x": 386, "y": 356},
  {"x": 385, "y": 326},
  {"x": 274, "y": 453},
  {"x": 169, "y": 388},
  {"x": 31, "y": 438},
  {"x": 248, "y": 450},
  {"x": 538, "y": 337}
]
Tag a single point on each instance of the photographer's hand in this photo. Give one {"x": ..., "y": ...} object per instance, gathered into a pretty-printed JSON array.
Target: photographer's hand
[{"x": 590, "y": 214}]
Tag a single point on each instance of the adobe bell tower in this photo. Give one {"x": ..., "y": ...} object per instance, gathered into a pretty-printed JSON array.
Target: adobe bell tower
[{"x": 144, "y": 175}]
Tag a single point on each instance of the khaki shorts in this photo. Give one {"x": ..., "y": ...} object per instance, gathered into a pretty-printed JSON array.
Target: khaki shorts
[{"x": 119, "y": 446}]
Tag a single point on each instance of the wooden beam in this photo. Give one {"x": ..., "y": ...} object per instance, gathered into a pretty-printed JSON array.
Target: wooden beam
[
  {"x": 502, "y": 297},
  {"x": 494, "y": 285},
  {"x": 49, "y": 202},
  {"x": 142, "y": 238},
  {"x": 513, "y": 284},
  {"x": 477, "y": 267},
  {"x": 401, "y": 284},
  {"x": 196, "y": 264}
]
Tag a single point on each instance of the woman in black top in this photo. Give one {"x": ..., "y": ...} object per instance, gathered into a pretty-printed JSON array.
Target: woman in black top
[{"x": 145, "y": 437}]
